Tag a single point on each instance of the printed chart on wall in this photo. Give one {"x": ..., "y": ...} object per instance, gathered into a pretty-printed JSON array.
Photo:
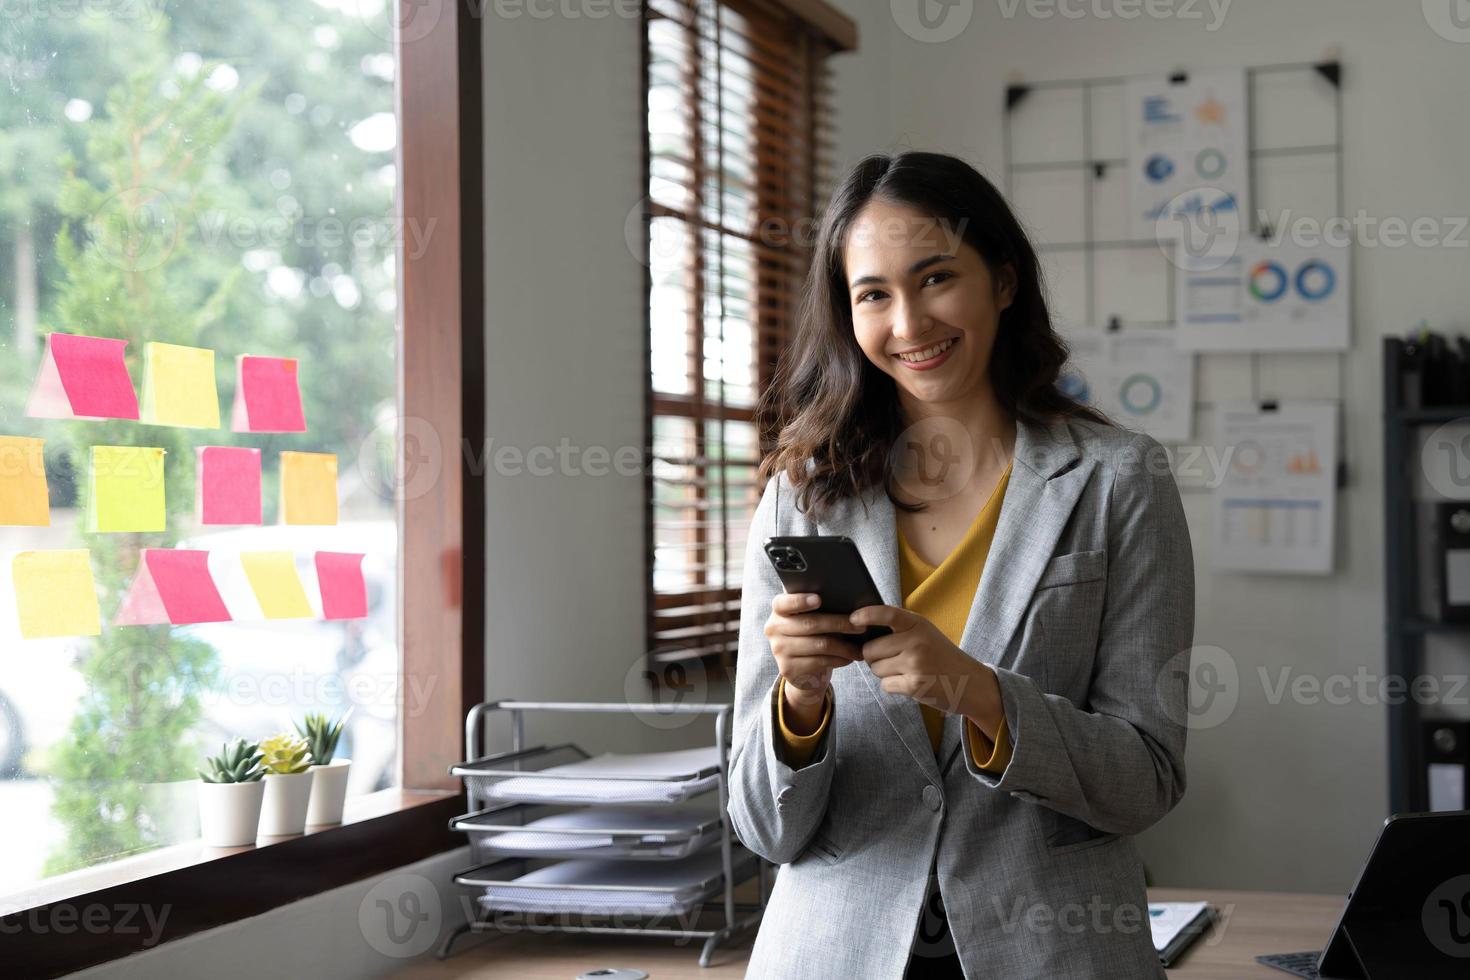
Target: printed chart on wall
[
  {"x": 1137, "y": 377},
  {"x": 1264, "y": 296},
  {"x": 1187, "y": 145},
  {"x": 1275, "y": 508}
]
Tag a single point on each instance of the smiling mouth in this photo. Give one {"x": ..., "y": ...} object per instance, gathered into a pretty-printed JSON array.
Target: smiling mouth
[{"x": 928, "y": 353}]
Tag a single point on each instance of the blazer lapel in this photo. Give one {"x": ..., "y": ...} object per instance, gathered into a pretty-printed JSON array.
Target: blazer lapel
[
  {"x": 1047, "y": 477},
  {"x": 870, "y": 523}
]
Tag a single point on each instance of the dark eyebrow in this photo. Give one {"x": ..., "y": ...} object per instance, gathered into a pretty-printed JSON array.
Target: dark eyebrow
[{"x": 914, "y": 269}]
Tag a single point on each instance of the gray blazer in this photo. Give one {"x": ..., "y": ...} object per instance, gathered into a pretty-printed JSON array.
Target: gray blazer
[{"x": 1086, "y": 612}]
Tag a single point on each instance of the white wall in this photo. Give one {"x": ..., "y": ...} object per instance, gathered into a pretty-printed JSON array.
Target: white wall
[
  {"x": 563, "y": 161},
  {"x": 1285, "y": 796}
]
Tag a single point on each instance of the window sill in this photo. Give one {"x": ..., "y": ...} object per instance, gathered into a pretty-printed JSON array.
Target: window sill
[{"x": 76, "y": 920}]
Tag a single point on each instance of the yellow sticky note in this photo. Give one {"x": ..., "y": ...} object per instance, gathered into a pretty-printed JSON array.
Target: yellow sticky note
[
  {"x": 54, "y": 594},
  {"x": 23, "y": 483},
  {"x": 178, "y": 386},
  {"x": 308, "y": 488},
  {"x": 276, "y": 585},
  {"x": 126, "y": 489}
]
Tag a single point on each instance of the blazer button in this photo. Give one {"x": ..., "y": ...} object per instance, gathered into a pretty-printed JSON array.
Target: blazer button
[{"x": 932, "y": 798}]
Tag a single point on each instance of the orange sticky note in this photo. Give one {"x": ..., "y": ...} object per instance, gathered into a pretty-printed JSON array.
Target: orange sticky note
[
  {"x": 308, "y": 488},
  {"x": 178, "y": 386},
  {"x": 23, "y": 501},
  {"x": 55, "y": 594}
]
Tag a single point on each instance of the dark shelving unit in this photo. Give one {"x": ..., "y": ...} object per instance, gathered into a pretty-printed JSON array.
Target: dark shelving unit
[{"x": 1406, "y": 626}]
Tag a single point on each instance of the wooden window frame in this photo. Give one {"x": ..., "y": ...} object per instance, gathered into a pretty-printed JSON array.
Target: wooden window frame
[
  {"x": 773, "y": 307},
  {"x": 441, "y": 562}
]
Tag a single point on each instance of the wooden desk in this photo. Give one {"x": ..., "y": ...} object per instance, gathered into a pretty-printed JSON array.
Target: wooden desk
[{"x": 1251, "y": 923}]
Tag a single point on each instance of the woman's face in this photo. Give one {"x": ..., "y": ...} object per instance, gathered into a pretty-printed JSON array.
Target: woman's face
[{"x": 925, "y": 306}]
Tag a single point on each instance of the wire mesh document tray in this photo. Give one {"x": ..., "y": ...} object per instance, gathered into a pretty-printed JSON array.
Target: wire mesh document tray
[
  {"x": 607, "y": 845},
  {"x": 564, "y": 774},
  {"x": 540, "y": 830},
  {"x": 608, "y": 888}
]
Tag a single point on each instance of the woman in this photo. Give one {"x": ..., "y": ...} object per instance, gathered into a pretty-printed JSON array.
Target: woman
[{"x": 1037, "y": 576}]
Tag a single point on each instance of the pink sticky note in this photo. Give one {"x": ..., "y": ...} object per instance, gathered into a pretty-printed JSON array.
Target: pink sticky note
[
  {"x": 83, "y": 377},
  {"x": 344, "y": 593},
  {"x": 172, "y": 586},
  {"x": 227, "y": 485},
  {"x": 267, "y": 395}
]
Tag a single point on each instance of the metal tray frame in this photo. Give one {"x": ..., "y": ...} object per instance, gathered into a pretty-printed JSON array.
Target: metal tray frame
[
  {"x": 512, "y": 817},
  {"x": 736, "y": 919}
]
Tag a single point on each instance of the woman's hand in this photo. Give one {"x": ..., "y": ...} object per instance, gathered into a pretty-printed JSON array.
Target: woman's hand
[
  {"x": 806, "y": 657},
  {"x": 918, "y": 661}
]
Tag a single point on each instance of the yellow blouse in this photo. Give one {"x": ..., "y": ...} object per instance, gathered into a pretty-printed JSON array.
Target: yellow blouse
[{"x": 944, "y": 596}]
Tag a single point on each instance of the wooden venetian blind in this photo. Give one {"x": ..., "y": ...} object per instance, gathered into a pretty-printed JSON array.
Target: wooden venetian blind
[{"x": 737, "y": 129}]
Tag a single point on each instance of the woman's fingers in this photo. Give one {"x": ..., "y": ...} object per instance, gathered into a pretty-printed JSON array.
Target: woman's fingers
[
  {"x": 790, "y": 603},
  {"x": 815, "y": 624},
  {"x": 832, "y": 648}
]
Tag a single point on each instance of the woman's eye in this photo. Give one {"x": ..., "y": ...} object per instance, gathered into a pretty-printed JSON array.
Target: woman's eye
[
  {"x": 937, "y": 277},
  {"x": 872, "y": 294}
]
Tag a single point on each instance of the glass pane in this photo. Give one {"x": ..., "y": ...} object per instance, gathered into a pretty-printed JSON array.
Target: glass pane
[
  {"x": 219, "y": 177},
  {"x": 669, "y": 349}
]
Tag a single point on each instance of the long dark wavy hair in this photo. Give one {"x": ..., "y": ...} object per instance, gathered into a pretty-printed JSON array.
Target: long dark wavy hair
[{"x": 828, "y": 404}]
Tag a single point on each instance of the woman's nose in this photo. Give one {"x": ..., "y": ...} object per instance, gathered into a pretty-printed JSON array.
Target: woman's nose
[{"x": 910, "y": 323}]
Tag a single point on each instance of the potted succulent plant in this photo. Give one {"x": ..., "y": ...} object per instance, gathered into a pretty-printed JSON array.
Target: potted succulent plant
[
  {"x": 288, "y": 775},
  {"x": 230, "y": 794},
  {"x": 329, "y": 784}
]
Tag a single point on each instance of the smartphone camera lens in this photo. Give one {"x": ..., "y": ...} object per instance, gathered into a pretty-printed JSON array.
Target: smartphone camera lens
[{"x": 788, "y": 559}]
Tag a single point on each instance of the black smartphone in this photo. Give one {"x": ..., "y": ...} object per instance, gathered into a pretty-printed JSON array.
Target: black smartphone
[{"x": 833, "y": 568}]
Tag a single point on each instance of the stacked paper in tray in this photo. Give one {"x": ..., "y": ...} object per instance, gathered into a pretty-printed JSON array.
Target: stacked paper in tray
[
  {"x": 616, "y": 887},
  {"x": 650, "y": 831},
  {"x": 647, "y": 777}
]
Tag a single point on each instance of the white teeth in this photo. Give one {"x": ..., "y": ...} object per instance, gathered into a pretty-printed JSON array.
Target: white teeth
[{"x": 929, "y": 352}]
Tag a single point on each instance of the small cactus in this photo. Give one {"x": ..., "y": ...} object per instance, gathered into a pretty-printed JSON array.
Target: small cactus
[
  {"x": 322, "y": 735},
  {"x": 238, "y": 762},
  {"x": 286, "y": 754}
]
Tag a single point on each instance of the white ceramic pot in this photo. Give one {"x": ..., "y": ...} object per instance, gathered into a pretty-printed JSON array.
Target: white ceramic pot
[
  {"x": 229, "y": 813},
  {"x": 328, "y": 793},
  {"x": 286, "y": 799}
]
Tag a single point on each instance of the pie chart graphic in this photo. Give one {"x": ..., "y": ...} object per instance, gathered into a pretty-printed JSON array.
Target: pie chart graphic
[
  {"x": 1210, "y": 164},
  {"x": 1268, "y": 281},
  {"x": 1249, "y": 458},
  {"x": 1141, "y": 393},
  {"x": 1158, "y": 168},
  {"x": 1315, "y": 280}
]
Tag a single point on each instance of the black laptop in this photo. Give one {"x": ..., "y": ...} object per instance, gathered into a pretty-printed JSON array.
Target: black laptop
[{"x": 1408, "y": 916}]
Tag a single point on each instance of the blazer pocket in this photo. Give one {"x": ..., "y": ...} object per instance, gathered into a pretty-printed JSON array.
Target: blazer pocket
[
  {"x": 1083, "y": 845},
  {"x": 1074, "y": 568},
  {"x": 824, "y": 847},
  {"x": 1070, "y": 834}
]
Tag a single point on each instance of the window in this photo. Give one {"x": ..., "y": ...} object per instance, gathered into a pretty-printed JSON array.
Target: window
[
  {"x": 737, "y": 128},
  {"x": 219, "y": 177}
]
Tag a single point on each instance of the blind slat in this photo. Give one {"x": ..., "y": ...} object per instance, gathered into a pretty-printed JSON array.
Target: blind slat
[{"x": 739, "y": 141}]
